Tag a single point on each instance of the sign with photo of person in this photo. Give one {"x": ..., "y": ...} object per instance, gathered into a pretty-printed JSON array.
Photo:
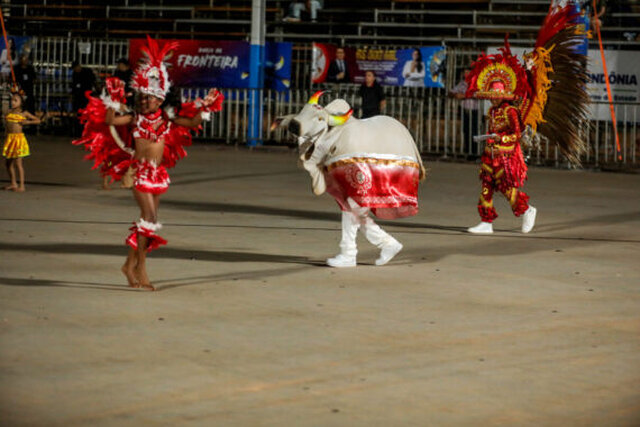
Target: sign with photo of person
[
  {"x": 418, "y": 67},
  {"x": 18, "y": 46}
]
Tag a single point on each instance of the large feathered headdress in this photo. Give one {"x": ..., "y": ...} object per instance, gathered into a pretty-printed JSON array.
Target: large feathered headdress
[
  {"x": 498, "y": 76},
  {"x": 151, "y": 77}
]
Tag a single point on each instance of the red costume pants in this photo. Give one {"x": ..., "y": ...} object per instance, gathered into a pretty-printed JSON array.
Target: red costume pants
[{"x": 495, "y": 176}]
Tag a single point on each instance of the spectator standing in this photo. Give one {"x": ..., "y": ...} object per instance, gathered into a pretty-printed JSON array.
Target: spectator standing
[
  {"x": 125, "y": 73},
  {"x": 372, "y": 94},
  {"x": 82, "y": 80},
  {"x": 26, "y": 78},
  {"x": 338, "y": 71}
]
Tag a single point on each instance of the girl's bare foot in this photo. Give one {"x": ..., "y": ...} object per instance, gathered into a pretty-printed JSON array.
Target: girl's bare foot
[
  {"x": 11, "y": 187},
  {"x": 19, "y": 190},
  {"x": 143, "y": 280},
  {"x": 147, "y": 286},
  {"x": 129, "y": 273}
]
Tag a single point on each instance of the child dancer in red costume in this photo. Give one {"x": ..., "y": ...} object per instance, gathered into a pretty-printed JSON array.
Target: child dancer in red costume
[
  {"x": 545, "y": 94},
  {"x": 503, "y": 167},
  {"x": 148, "y": 140}
]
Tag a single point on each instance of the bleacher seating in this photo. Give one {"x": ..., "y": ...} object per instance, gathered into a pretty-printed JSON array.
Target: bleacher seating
[{"x": 455, "y": 22}]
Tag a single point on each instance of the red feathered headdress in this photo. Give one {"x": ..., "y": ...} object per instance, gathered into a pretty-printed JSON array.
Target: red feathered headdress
[
  {"x": 151, "y": 76},
  {"x": 498, "y": 76}
]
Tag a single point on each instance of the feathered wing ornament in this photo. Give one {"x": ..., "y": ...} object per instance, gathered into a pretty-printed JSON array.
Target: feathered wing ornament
[
  {"x": 557, "y": 104},
  {"x": 98, "y": 139}
]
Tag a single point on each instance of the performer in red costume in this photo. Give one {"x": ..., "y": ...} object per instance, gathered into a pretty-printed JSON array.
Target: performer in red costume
[
  {"x": 503, "y": 167},
  {"x": 146, "y": 141},
  {"x": 546, "y": 94}
]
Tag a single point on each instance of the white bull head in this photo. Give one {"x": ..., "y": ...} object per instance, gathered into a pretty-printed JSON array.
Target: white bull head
[
  {"x": 315, "y": 128},
  {"x": 313, "y": 120}
]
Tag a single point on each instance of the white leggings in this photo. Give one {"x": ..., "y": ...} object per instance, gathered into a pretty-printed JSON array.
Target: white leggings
[{"x": 351, "y": 223}]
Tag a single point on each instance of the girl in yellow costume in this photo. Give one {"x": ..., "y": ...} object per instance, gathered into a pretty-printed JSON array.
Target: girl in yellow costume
[{"x": 15, "y": 145}]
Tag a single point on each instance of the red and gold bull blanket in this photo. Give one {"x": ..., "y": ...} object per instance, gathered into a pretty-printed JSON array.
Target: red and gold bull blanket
[{"x": 387, "y": 184}]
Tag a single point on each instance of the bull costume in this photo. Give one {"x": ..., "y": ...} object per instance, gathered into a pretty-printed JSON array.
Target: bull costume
[
  {"x": 545, "y": 95},
  {"x": 143, "y": 143},
  {"x": 368, "y": 166}
]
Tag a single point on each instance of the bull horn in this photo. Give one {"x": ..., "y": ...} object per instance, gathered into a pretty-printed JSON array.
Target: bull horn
[
  {"x": 339, "y": 120},
  {"x": 316, "y": 97}
]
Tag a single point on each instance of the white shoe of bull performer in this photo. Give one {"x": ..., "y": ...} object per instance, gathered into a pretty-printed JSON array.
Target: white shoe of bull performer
[
  {"x": 388, "y": 251},
  {"x": 529, "y": 219},
  {"x": 341, "y": 260},
  {"x": 389, "y": 247},
  {"x": 482, "y": 228}
]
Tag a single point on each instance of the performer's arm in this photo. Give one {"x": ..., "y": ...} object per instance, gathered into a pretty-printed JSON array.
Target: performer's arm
[
  {"x": 211, "y": 103},
  {"x": 189, "y": 122},
  {"x": 31, "y": 119},
  {"x": 112, "y": 120}
]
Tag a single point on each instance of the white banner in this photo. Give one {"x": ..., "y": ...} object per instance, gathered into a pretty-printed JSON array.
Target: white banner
[{"x": 624, "y": 77}]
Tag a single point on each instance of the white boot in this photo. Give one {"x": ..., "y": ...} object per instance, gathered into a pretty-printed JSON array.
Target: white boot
[
  {"x": 529, "y": 219},
  {"x": 348, "y": 248},
  {"x": 389, "y": 247},
  {"x": 388, "y": 251},
  {"x": 482, "y": 228},
  {"x": 341, "y": 260}
]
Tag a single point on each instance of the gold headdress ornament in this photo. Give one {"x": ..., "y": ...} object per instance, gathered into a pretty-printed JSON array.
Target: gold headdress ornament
[{"x": 498, "y": 76}]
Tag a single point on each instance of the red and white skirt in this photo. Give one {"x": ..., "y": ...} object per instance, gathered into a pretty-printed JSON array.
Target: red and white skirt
[
  {"x": 148, "y": 230},
  {"x": 387, "y": 184},
  {"x": 150, "y": 178}
]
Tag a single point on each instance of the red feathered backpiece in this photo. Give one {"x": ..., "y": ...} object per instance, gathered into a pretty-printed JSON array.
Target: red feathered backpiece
[{"x": 97, "y": 138}]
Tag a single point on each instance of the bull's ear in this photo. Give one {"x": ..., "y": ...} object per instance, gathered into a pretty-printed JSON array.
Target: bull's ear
[
  {"x": 282, "y": 121},
  {"x": 339, "y": 119}
]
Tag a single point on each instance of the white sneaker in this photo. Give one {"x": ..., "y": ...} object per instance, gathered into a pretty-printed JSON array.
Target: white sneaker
[
  {"x": 529, "y": 219},
  {"x": 388, "y": 252},
  {"x": 482, "y": 228},
  {"x": 340, "y": 261}
]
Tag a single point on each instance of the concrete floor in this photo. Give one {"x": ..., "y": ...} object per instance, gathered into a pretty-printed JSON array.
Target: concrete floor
[{"x": 248, "y": 327}]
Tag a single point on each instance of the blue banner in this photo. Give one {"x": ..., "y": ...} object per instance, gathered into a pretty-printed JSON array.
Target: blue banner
[{"x": 223, "y": 64}]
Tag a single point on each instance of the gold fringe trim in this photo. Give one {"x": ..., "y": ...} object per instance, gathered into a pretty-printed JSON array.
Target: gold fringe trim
[
  {"x": 543, "y": 68},
  {"x": 373, "y": 161}
]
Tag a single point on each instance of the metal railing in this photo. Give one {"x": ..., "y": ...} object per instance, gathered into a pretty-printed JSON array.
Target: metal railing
[{"x": 441, "y": 126}]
